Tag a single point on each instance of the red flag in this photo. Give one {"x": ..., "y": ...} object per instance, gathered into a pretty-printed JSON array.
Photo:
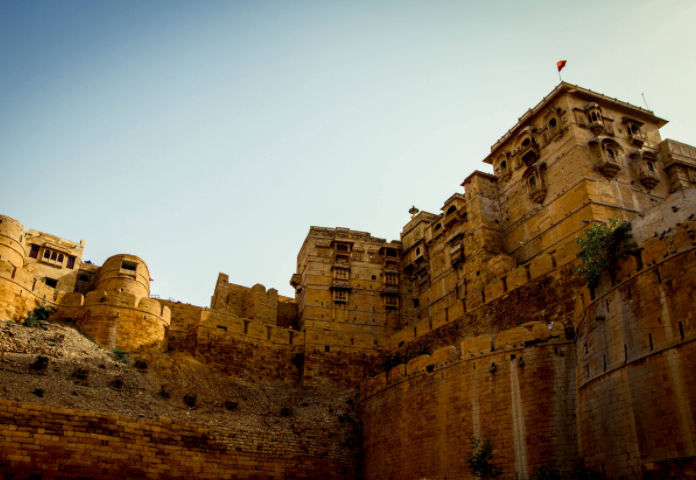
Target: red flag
[{"x": 561, "y": 64}]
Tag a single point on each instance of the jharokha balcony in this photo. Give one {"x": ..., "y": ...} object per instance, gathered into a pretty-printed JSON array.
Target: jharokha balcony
[
  {"x": 648, "y": 175},
  {"x": 530, "y": 153},
  {"x": 457, "y": 254}
]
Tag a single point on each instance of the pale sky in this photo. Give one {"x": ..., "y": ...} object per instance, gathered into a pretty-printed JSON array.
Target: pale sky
[{"x": 208, "y": 136}]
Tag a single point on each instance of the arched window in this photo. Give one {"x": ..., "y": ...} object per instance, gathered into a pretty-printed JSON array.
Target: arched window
[
  {"x": 451, "y": 209},
  {"x": 635, "y": 130},
  {"x": 532, "y": 181},
  {"x": 54, "y": 255},
  {"x": 651, "y": 167},
  {"x": 610, "y": 153},
  {"x": 437, "y": 227},
  {"x": 503, "y": 165},
  {"x": 526, "y": 142},
  {"x": 552, "y": 123},
  {"x": 60, "y": 258},
  {"x": 594, "y": 117},
  {"x": 47, "y": 254},
  {"x": 417, "y": 251}
]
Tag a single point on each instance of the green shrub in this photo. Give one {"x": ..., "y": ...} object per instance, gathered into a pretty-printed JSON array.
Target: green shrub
[
  {"x": 547, "y": 472},
  {"x": 602, "y": 248},
  {"x": 38, "y": 314},
  {"x": 480, "y": 460}
]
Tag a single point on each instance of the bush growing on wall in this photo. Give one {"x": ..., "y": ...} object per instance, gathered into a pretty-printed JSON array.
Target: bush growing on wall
[
  {"x": 602, "y": 248},
  {"x": 40, "y": 313},
  {"x": 480, "y": 460}
]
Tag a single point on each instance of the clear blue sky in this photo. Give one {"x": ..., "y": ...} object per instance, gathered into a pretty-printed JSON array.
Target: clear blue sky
[{"x": 208, "y": 136}]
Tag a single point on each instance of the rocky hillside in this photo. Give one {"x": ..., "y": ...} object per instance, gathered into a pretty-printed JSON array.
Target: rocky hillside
[{"x": 54, "y": 364}]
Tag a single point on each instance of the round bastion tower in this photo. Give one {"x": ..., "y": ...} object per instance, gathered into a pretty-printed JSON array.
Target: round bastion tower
[
  {"x": 124, "y": 273},
  {"x": 12, "y": 241},
  {"x": 118, "y": 313}
]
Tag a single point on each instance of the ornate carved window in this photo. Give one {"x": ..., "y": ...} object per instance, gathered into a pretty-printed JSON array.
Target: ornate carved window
[
  {"x": 633, "y": 130},
  {"x": 536, "y": 185},
  {"x": 646, "y": 165},
  {"x": 529, "y": 148},
  {"x": 594, "y": 115},
  {"x": 607, "y": 155}
]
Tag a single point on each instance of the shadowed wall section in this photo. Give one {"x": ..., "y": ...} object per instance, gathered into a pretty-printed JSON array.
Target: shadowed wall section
[
  {"x": 516, "y": 388},
  {"x": 73, "y": 444}
]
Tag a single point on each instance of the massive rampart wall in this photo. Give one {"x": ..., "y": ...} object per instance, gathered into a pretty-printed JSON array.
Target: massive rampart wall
[
  {"x": 635, "y": 348},
  {"x": 55, "y": 443},
  {"x": 21, "y": 292},
  {"x": 12, "y": 241},
  {"x": 118, "y": 319},
  {"x": 260, "y": 352},
  {"x": 517, "y": 388},
  {"x": 540, "y": 291}
]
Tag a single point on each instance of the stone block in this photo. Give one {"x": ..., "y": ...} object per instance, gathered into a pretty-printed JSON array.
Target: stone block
[
  {"x": 541, "y": 265},
  {"x": 495, "y": 289},
  {"x": 517, "y": 277},
  {"x": 474, "y": 300},
  {"x": 443, "y": 356},
  {"x": 418, "y": 364},
  {"x": 396, "y": 373},
  {"x": 479, "y": 345}
]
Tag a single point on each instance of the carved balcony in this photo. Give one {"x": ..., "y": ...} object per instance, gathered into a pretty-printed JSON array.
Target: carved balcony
[
  {"x": 451, "y": 219},
  {"x": 596, "y": 125},
  {"x": 457, "y": 254},
  {"x": 637, "y": 139},
  {"x": 537, "y": 192},
  {"x": 296, "y": 280},
  {"x": 608, "y": 166},
  {"x": 530, "y": 153},
  {"x": 648, "y": 178},
  {"x": 390, "y": 289}
]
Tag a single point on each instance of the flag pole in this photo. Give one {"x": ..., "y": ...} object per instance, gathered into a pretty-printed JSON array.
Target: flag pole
[{"x": 559, "y": 77}]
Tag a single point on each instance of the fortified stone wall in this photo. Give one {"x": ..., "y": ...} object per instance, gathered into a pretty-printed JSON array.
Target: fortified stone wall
[
  {"x": 516, "y": 388},
  {"x": 540, "y": 291},
  {"x": 118, "y": 319},
  {"x": 635, "y": 350},
  {"x": 258, "y": 352},
  {"x": 183, "y": 317},
  {"x": 56, "y": 443},
  {"x": 21, "y": 292}
]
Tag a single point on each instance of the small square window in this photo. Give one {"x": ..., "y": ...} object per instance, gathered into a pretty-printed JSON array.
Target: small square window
[
  {"x": 51, "y": 282},
  {"x": 126, "y": 265}
]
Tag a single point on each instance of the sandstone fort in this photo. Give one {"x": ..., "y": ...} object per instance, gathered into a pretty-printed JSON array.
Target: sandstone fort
[{"x": 471, "y": 323}]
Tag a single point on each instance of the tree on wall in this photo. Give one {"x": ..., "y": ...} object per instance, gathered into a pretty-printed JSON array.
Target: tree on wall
[
  {"x": 602, "y": 248},
  {"x": 480, "y": 459}
]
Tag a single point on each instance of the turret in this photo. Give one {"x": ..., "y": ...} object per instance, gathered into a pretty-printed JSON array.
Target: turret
[
  {"x": 124, "y": 273},
  {"x": 12, "y": 241}
]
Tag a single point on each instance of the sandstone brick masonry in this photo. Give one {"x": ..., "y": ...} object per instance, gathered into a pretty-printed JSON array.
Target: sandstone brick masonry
[
  {"x": 635, "y": 374},
  {"x": 50, "y": 443},
  {"x": 517, "y": 389},
  {"x": 482, "y": 283}
]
